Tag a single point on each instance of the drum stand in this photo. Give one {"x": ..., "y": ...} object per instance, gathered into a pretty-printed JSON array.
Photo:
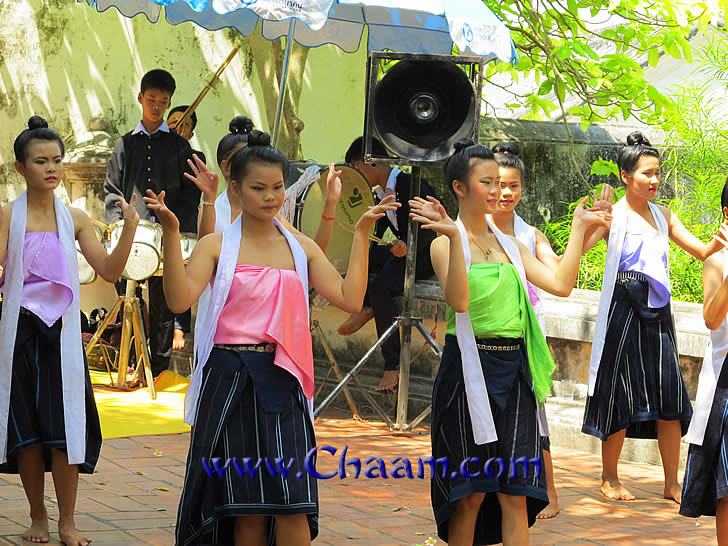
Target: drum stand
[
  {"x": 132, "y": 327},
  {"x": 334, "y": 366},
  {"x": 406, "y": 322}
]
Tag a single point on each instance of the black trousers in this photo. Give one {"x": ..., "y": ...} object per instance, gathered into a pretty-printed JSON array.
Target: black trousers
[
  {"x": 183, "y": 321},
  {"x": 386, "y": 281},
  {"x": 161, "y": 324}
]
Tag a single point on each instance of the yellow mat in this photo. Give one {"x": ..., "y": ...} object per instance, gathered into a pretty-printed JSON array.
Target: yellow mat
[{"x": 134, "y": 413}]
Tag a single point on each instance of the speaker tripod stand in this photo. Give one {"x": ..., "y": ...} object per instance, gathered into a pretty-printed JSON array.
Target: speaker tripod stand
[
  {"x": 132, "y": 329},
  {"x": 405, "y": 322}
]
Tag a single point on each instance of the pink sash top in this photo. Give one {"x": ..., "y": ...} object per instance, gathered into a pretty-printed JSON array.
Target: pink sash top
[
  {"x": 268, "y": 305},
  {"x": 47, "y": 291}
]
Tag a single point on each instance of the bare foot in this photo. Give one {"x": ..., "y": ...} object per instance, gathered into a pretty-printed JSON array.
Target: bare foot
[
  {"x": 178, "y": 340},
  {"x": 674, "y": 492},
  {"x": 389, "y": 381},
  {"x": 552, "y": 510},
  {"x": 614, "y": 490},
  {"x": 355, "y": 321},
  {"x": 38, "y": 531},
  {"x": 70, "y": 536}
]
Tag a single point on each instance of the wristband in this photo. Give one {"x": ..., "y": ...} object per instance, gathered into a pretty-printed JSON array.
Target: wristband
[{"x": 329, "y": 218}]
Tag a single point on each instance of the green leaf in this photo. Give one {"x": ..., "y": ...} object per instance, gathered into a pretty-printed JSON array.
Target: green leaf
[
  {"x": 670, "y": 46},
  {"x": 625, "y": 111},
  {"x": 653, "y": 56},
  {"x": 686, "y": 48},
  {"x": 563, "y": 52},
  {"x": 546, "y": 87},
  {"x": 604, "y": 167},
  {"x": 560, "y": 89}
]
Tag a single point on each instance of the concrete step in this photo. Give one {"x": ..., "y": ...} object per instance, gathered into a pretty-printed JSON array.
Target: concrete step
[
  {"x": 565, "y": 412},
  {"x": 565, "y": 418}
]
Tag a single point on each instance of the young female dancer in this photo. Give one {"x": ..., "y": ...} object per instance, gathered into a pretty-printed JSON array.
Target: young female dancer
[
  {"x": 226, "y": 207},
  {"x": 705, "y": 488},
  {"x": 48, "y": 417},
  {"x": 221, "y": 212},
  {"x": 636, "y": 388},
  {"x": 250, "y": 394},
  {"x": 512, "y": 176},
  {"x": 496, "y": 365}
]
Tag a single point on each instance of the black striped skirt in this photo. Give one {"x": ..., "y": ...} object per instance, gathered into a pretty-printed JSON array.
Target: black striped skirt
[
  {"x": 706, "y": 472},
  {"x": 639, "y": 379},
  {"x": 513, "y": 405},
  {"x": 248, "y": 408},
  {"x": 36, "y": 397}
]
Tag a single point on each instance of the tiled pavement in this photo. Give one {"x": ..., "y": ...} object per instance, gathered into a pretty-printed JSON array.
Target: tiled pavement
[{"x": 133, "y": 497}]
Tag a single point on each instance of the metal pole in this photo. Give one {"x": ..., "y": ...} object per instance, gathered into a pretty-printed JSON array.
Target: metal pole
[
  {"x": 409, "y": 293},
  {"x": 126, "y": 330},
  {"x": 284, "y": 81},
  {"x": 348, "y": 377}
]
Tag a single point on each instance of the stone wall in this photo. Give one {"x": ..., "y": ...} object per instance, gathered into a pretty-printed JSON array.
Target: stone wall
[{"x": 558, "y": 161}]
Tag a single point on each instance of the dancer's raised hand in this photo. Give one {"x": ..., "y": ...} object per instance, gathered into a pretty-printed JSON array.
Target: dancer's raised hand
[
  {"x": 128, "y": 210},
  {"x": 432, "y": 215},
  {"x": 590, "y": 217},
  {"x": 333, "y": 184},
  {"x": 202, "y": 177},
  {"x": 156, "y": 204},
  {"x": 604, "y": 200},
  {"x": 722, "y": 235},
  {"x": 376, "y": 212}
]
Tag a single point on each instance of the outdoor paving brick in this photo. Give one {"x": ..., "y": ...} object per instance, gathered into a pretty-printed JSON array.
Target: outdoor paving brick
[
  {"x": 118, "y": 505},
  {"x": 153, "y": 536}
]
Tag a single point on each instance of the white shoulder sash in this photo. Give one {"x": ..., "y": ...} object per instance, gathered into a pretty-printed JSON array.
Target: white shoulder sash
[
  {"x": 223, "y": 212},
  {"x": 231, "y": 237},
  {"x": 715, "y": 354},
  {"x": 73, "y": 373},
  {"x": 615, "y": 244},
  {"x": 475, "y": 388},
  {"x": 526, "y": 234}
]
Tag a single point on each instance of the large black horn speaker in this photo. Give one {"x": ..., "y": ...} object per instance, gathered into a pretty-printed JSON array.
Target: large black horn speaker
[{"x": 422, "y": 104}]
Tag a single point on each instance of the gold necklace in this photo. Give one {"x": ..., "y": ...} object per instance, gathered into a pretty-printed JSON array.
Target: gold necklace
[{"x": 486, "y": 253}]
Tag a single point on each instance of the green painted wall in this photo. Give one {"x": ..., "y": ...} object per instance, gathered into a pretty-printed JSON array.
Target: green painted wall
[{"x": 69, "y": 63}]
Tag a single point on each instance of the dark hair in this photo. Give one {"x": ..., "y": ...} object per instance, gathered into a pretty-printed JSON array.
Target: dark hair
[
  {"x": 183, "y": 109},
  {"x": 239, "y": 127},
  {"x": 724, "y": 195},
  {"x": 258, "y": 150},
  {"x": 637, "y": 146},
  {"x": 356, "y": 150},
  {"x": 158, "y": 79},
  {"x": 37, "y": 130},
  {"x": 458, "y": 165},
  {"x": 506, "y": 155}
]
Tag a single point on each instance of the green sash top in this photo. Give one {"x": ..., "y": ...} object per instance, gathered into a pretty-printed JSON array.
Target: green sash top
[{"x": 499, "y": 307}]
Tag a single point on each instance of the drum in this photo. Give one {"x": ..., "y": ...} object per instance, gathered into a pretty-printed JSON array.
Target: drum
[
  {"x": 188, "y": 242},
  {"x": 86, "y": 273},
  {"x": 146, "y": 250},
  {"x": 356, "y": 198}
]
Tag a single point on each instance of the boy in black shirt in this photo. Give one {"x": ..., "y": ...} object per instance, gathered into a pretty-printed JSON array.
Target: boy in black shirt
[
  {"x": 183, "y": 321},
  {"x": 387, "y": 262},
  {"x": 153, "y": 157}
]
